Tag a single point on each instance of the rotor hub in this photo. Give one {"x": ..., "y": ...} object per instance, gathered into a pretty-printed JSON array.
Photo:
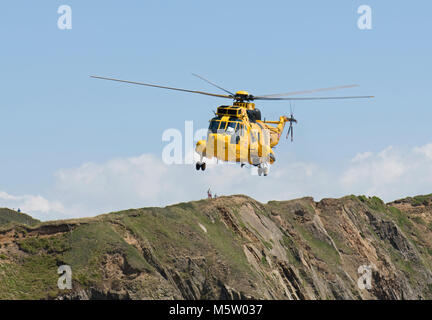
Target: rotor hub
[
  {"x": 243, "y": 96},
  {"x": 242, "y": 93}
]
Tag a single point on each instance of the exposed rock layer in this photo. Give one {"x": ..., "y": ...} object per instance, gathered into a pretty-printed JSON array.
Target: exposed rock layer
[{"x": 228, "y": 248}]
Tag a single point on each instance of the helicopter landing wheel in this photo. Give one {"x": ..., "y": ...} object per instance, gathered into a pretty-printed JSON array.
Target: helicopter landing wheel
[
  {"x": 265, "y": 171},
  {"x": 200, "y": 165}
]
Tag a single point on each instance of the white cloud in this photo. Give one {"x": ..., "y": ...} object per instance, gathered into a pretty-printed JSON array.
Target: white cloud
[
  {"x": 37, "y": 205},
  {"x": 6, "y": 196},
  {"x": 143, "y": 181},
  {"x": 426, "y": 150},
  {"x": 380, "y": 169},
  {"x": 362, "y": 156},
  {"x": 390, "y": 173}
]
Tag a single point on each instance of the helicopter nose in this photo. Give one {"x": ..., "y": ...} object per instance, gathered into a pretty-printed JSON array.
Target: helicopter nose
[{"x": 201, "y": 147}]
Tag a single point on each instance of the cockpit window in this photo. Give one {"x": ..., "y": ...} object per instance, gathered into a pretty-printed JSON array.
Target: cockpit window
[
  {"x": 222, "y": 125},
  {"x": 231, "y": 127},
  {"x": 213, "y": 126}
]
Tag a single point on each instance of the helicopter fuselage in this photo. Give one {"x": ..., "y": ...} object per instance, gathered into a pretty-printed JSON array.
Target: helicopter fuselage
[{"x": 237, "y": 134}]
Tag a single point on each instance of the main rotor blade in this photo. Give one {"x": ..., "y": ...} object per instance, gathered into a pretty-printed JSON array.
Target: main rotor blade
[
  {"x": 213, "y": 84},
  {"x": 308, "y": 91},
  {"x": 314, "y": 98},
  {"x": 164, "y": 87}
]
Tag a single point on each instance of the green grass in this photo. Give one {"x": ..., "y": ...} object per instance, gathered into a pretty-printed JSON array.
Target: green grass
[
  {"x": 289, "y": 246},
  {"x": 10, "y": 217},
  {"x": 429, "y": 251},
  {"x": 339, "y": 241},
  {"x": 35, "y": 278},
  {"x": 267, "y": 244},
  {"x": 375, "y": 203},
  {"x": 401, "y": 218},
  {"x": 91, "y": 242},
  {"x": 419, "y": 220},
  {"x": 50, "y": 245},
  {"x": 320, "y": 248},
  {"x": 264, "y": 261},
  {"x": 405, "y": 265},
  {"x": 421, "y": 200},
  {"x": 429, "y": 288},
  {"x": 362, "y": 198}
]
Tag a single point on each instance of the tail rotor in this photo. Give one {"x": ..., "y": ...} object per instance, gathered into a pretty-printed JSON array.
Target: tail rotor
[{"x": 291, "y": 120}]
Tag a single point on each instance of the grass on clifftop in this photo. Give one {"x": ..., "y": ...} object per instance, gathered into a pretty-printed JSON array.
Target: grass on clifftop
[{"x": 9, "y": 217}]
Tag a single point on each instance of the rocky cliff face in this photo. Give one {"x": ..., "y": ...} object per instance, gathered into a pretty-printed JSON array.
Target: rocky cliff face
[{"x": 229, "y": 248}]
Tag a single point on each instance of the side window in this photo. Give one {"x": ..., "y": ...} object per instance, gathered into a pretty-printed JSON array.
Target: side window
[
  {"x": 238, "y": 133},
  {"x": 239, "y": 129},
  {"x": 222, "y": 126},
  {"x": 253, "y": 137}
]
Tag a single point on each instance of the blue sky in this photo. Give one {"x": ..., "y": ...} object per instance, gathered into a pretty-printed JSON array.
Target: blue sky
[{"x": 55, "y": 119}]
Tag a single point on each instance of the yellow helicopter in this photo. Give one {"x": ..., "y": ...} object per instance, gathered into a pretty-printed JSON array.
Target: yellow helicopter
[{"x": 237, "y": 133}]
